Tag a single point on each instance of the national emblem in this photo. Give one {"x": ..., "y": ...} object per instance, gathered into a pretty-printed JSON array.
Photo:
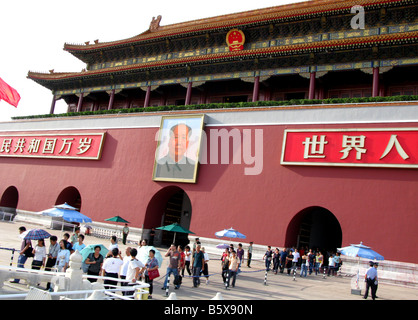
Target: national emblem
[{"x": 235, "y": 39}]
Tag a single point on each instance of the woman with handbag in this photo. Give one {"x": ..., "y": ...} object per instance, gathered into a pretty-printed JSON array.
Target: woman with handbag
[{"x": 151, "y": 271}]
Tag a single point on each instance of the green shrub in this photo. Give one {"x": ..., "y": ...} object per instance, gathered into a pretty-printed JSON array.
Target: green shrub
[{"x": 293, "y": 102}]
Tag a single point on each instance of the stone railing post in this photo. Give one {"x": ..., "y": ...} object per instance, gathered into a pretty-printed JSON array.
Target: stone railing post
[{"x": 75, "y": 274}]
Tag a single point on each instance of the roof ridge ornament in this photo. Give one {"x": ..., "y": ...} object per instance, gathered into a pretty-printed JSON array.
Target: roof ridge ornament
[{"x": 155, "y": 23}]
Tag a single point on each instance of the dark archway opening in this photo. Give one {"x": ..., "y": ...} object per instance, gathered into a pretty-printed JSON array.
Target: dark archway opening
[
  {"x": 167, "y": 206},
  {"x": 71, "y": 196},
  {"x": 8, "y": 202},
  {"x": 314, "y": 228}
]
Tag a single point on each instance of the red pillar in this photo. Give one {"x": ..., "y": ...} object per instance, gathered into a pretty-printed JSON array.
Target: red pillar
[
  {"x": 256, "y": 89},
  {"x": 188, "y": 93},
  {"x": 80, "y": 102},
  {"x": 312, "y": 85},
  {"x": 112, "y": 98},
  {"x": 147, "y": 97},
  {"x": 375, "y": 90},
  {"x": 51, "y": 110}
]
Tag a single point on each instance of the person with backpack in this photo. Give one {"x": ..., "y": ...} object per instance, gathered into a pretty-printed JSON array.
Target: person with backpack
[{"x": 26, "y": 251}]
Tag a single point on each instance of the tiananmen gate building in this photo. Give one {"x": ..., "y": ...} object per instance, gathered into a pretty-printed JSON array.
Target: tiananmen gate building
[{"x": 320, "y": 175}]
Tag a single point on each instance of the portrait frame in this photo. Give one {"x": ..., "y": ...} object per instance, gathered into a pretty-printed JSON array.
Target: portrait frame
[{"x": 186, "y": 169}]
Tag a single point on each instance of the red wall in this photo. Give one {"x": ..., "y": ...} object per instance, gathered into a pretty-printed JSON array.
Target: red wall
[{"x": 375, "y": 205}]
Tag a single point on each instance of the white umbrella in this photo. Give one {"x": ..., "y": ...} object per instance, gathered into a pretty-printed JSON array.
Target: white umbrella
[{"x": 143, "y": 255}]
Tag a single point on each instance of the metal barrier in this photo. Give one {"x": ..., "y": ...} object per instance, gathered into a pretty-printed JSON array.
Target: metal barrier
[
  {"x": 105, "y": 233},
  {"x": 4, "y": 214},
  {"x": 13, "y": 252}
]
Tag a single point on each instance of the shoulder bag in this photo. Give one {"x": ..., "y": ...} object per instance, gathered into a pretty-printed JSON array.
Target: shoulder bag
[{"x": 152, "y": 274}]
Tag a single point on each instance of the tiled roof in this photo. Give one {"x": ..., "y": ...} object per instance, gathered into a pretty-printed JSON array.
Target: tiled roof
[
  {"x": 386, "y": 39},
  {"x": 284, "y": 12}
]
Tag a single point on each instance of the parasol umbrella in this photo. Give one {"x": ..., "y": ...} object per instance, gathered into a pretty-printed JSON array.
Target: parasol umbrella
[
  {"x": 117, "y": 219},
  {"x": 143, "y": 255},
  {"x": 65, "y": 206},
  {"x": 360, "y": 251},
  {"x": 175, "y": 227},
  {"x": 222, "y": 246},
  {"x": 230, "y": 233},
  {"x": 35, "y": 234},
  {"x": 90, "y": 249},
  {"x": 67, "y": 212}
]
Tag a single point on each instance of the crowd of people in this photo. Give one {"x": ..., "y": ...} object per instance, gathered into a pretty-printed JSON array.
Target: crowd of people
[
  {"x": 191, "y": 259},
  {"x": 195, "y": 261},
  {"x": 306, "y": 260},
  {"x": 111, "y": 265},
  {"x": 58, "y": 255}
]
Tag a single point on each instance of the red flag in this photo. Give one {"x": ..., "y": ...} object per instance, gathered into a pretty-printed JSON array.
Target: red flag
[{"x": 8, "y": 94}]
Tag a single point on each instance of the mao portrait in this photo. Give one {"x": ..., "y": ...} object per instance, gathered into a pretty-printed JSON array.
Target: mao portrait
[{"x": 177, "y": 154}]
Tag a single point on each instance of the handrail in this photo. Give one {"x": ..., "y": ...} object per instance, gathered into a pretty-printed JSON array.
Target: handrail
[
  {"x": 49, "y": 275},
  {"x": 137, "y": 288},
  {"x": 54, "y": 273}
]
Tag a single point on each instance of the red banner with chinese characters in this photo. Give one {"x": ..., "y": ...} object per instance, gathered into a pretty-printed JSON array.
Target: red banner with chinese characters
[
  {"x": 87, "y": 146},
  {"x": 351, "y": 147}
]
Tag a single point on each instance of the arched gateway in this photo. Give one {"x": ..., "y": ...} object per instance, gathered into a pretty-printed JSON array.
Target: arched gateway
[
  {"x": 9, "y": 200},
  {"x": 169, "y": 205},
  {"x": 314, "y": 227},
  {"x": 71, "y": 196}
]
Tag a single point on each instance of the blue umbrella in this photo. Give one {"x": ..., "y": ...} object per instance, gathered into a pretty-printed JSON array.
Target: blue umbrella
[
  {"x": 90, "y": 249},
  {"x": 230, "y": 233},
  {"x": 143, "y": 255},
  {"x": 360, "y": 250},
  {"x": 66, "y": 212}
]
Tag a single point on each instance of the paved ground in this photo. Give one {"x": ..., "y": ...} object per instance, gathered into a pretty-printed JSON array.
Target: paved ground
[{"x": 249, "y": 285}]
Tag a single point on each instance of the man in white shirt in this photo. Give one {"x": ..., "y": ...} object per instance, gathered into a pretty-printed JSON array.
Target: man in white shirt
[
  {"x": 135, "y": 268},
  {"x": 296, "y": 256},
  {"x": 111, "y": 267},
  {"x": 126, "y": 259},
  {"x": 331, "y": 265}
]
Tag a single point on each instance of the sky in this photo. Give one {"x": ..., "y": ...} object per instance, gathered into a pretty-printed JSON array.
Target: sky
[{"x": 34, "y": 34}]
